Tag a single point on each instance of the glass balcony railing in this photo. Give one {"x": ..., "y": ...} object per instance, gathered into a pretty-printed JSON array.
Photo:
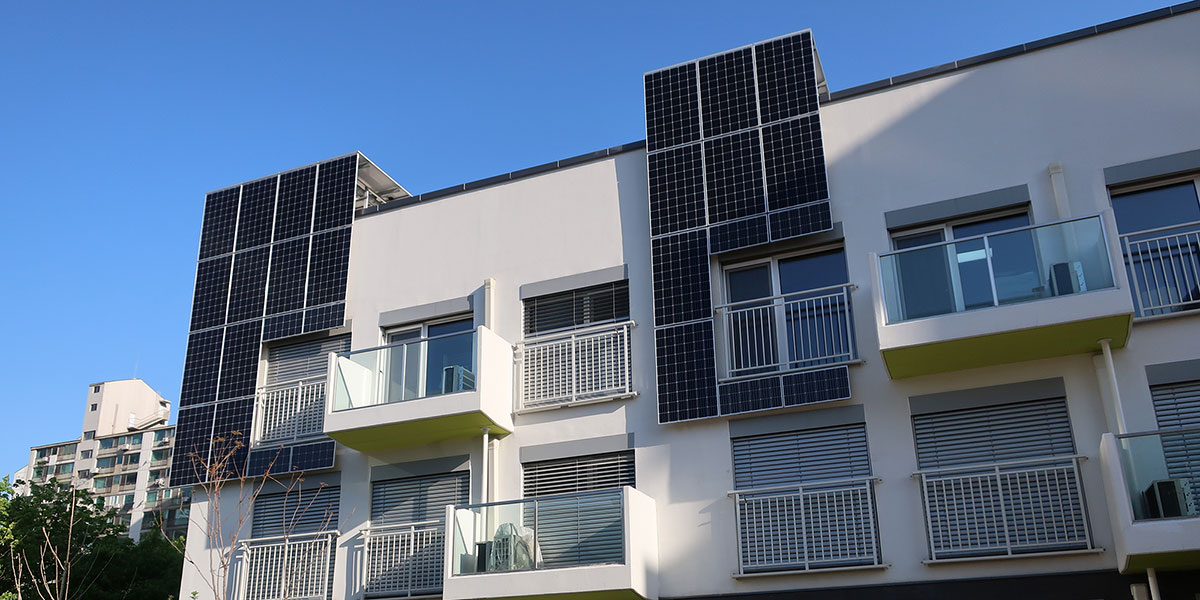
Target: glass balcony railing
[
  {"x": 1162, "y": 472},
  {"x": 568, "y": 530},
  {"x": 408, "y": 370},
  {"x": 996, "y": 269}
]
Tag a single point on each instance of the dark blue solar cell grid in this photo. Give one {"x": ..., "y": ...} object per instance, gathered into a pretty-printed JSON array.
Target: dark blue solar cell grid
[
  {"x": 795, "y": 163},
  {"x": 200, "y": 367},
  {"x": 687, "y": 376},
  {"x": 676, "y": 190},
  {"x": 787, "y": 77},
  {"x": 681, "y": 286},
  {"x": 239, "y": 360},
  {"x": 293, "y": 210},
  {"x": 335, "y": 193},
  {"x": 248, "y": 292},
  {"x": 733, "y": 177},
  {"x": 324, "y": 317},
  {"x": 801, "y": 220},
  {"x": 212, "y": 290},
  {"x": 824, "y": 385},
  {"x": 672, "y": 109},
  {"x": 220, "y": 219},
  {"x": 275, "y": 459},
  {"x": 738, "y": 234},
  {"x": 727, "y": 100},
  {"x": 327, "y": 267},
  {"x": 289, "y": 267},
  {"x": 257, "y": 213},
  {"x": 231, "y": 432},
  {"x": 307, "y": 457},
  {"x": 193, "y": 433},
  {"x": 285, "y": 325},
  {"x": 750, "y": 395}
]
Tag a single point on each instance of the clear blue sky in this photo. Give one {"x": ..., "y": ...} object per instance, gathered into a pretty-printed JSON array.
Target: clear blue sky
[{"x": 116, "y": 118}]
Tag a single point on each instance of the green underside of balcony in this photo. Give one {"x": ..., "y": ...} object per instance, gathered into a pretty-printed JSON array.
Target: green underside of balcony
[
  {"x": 387, "y": 436},
  {"x": 1063, "y": 339},
  {"x": 1164, "y": 561}
]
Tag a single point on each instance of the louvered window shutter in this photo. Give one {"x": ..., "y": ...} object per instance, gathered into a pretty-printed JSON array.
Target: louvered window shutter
[
  {"x": 577, "y": 308},
  {"x": 1022, "y": 430},
  {"x": 416, "y": 499},
  {"x": 579, "y": 530},
  {"x": 801, "y": 457},
  {"x": 1178, "y": 406},
  {"x": 304, "y": 360},
  {"x": 296, "y": 512}
]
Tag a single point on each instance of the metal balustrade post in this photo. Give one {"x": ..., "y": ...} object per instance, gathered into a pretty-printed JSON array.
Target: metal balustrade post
[{"x": 987, "y": 254}]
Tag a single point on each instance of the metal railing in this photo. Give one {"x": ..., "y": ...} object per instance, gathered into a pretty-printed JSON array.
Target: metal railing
[
  {"x": 792, "y": 331},
  {"x": 407, "y": 370},
  {"x": 546, "y": 532},
  {"x": 1164, "y": 268},
  {"x": 1005, "y": 508},
  {"x": 585, "y": 364},
  {"x": 1161, "y": 472},
  {"x": 293, "y": 567},
  {"x": 809, "y": 526},
  {"x": 291, "y": 410},
  {"x": 404, "y": 560},
  {"x": 996, "y": 269}
]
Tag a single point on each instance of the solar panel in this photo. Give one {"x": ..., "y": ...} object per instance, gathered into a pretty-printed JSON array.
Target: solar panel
[
  {"x": 248, "y": 291},
  {"x": 672, "y": 107},
  {"x": 824, "y": 385},
  {"x": 676, "y": 190},
  {"x": 335, "y": 193},
  {"x": 232, "y": 427},
  {"x": 293, "y": 210},
  {"x": 200, "y": 367},
  {"x": 324, "y": 317},
  {"x": 738, "y": 234},
  {"x": 327, "y": 267},
  {"x": 687, "y": 377},
  {"x": 795, "y": 162},
  {"x": 681, "y": 286},
  {"x": 727, "y": 93},
  {"x": 801, "y": 220},
  {"x": 282, "y": 326},
  {"x": 193, "y": 434},
  {"x": 750, "y": 395},
  {"x": 212, "y": 291},
  {"x": 318, "y": 455},
  {"x": 733, "y": 177},
  {"x": 239, "y": 360},
  {"x": 256, "y": 213},
  {"x": 220, "y": 219},
  {"x": 787, "y": 77},
  {"x": 289, "y": 269}
]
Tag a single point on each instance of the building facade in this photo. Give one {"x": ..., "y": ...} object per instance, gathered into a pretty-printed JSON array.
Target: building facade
[
  {"x": 122, "y": 455},
  {"x": 922, "y": 338}
]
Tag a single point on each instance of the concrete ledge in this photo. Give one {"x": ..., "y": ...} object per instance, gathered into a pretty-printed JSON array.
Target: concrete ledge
[
  {"x": 598, "y": 445},
  {"x": 574, "y": 282},
  {"x": 1151, "y": 168},
  {"x": 957, "y": 208}
]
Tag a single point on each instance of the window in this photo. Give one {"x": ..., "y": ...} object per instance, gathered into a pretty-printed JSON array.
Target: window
[
  {"x": 1160, "y": 234},
  {"x": 102, "y": 482},
  {"x": 95, "y": 389},
  {"x": 87, "y": 435},
  {"x": 106, "y": 462},
  {"x": 605, "y": 303},
  {"x": 131, "y": 459},
  {"x": 160, "y": 455},
  {"x": 579, "y": 474},
  {"x": 788, "y": 312},
  {"x": 85, "y": 454},
  {"x": 162, "y": 435},
  {"x": 39, "y": 472},
  {"x": 296, "y": 512},
  {"x": 64, "y": 468},
  {"x": 42, "y": 453},
  {"x": 431, "y": 359},
  {"x": 84, "y": 473},
  {"x": 94, "y": 406}
]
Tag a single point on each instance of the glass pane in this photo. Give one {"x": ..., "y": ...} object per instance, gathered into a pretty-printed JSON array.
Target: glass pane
[
  {"x": 918, "y": 283},
  {"x": 1161, "y": 473},
  {"x": 966, "y": 230},
  {"x": 1159, "y": 207},
  {"x": 403, "y": 366},
  {"x": 1054, "y": 260},
  {"x": 450, "y": 367},
  {"x": 750, "y": 283},
  {"x": 813, "y": 271},
  {"x": 918, "y": 239},
  {"x": 451, "y": 327},
  {"x": 753, "y": 342}
]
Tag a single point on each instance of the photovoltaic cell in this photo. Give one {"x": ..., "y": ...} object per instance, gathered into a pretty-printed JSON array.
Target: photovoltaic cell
[
  {"x": 335, "y": 193},
  {"x": 200, "y": 367},
  {"x": 239, "y": 360},
  {"x": 738, "y": 234},
  {"x": 212, "y": 290},
  {"x": 687, "y": 387},
  {"x": 681, "y": 281},
  {"x": 193, "y": 434},
  {"x": 285, "y": 325},
  {"x": 672, "y": 108},
  {"x": 750, "y": 395},
  {"x": 733, "y": 177},
  {"x": 220, "y": 218},
  {"x": 293, "y": 210},
  {"x": 232, "y": 425},
  {"x": 809, "y": 387},
  {"x": 787, "y": 77},
  {"x": 289, "y": 267},
  {"x": 324, "y": 317},
  {"x": 249, "y": 288},
  {"x": 275, "y": 459},
  {"x": 801, "y": 220},
  {"x": 795, "y": 163},
  {"x": 256, "y": 214},
  {"x": 676, "y": 190},
  {"x": 307, "y": 457},
  {"x": 327, "y": 267},
  {"x": 727, "y": 93}
]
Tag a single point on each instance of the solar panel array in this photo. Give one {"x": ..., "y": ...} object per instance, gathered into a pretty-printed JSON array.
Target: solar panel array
[
  {"x": 735, "y": 159},
  {"x": 273, "y": 260}
]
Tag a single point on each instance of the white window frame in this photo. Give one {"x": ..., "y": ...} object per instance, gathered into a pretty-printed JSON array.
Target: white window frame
[{"x": 422, "y": 330}]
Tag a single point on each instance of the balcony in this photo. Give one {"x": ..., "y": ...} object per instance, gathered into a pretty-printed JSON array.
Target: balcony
[
  {"x": 822, "y": 525},
  {"x": 421, "y": 391},
  {"x": 290, "y": 411},
  {"x": 576, "y": 367},
  {"x": 1024, "y": 294},
  {"x": 1005, "y": 510},
  {"x": 287, "y": 567},
  {"x": 404, "y": 560},
  {"x": 582, "y": 545},
  {"x": 1164, "y": 269},
  {"x": 804, "y": 330},
  {"x": 1151, "y": 480}
]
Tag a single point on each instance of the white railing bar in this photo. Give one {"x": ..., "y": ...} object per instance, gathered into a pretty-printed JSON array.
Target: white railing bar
[
  {"x": 293, "y": 536},
  {"x": 1164, "y": 228},
  {"x": 562, "y": 335},
  {"x": 406, "y": 343},
  {"x": 1005, "y": 463},
  {"x": 993, "y": 234},
  {"x": 802, "y": 486},
  {"x": 793, "y": 295},
  {"x": 399, "y": 526},
  {"x": 1195, "y": 429},
  {"x": 292, "y": 383}
]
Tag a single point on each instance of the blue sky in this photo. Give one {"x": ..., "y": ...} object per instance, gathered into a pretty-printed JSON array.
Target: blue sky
[{"x": 116, "y": 118}]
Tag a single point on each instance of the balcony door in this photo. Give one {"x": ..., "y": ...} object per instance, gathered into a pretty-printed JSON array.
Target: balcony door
[
  {"x": 1160, "y": 235},
  {"x": 429, "y": 359}
]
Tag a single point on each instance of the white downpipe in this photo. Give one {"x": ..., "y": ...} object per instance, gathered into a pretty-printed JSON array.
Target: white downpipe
[
  {"x": 1112, "y": 384},
  {"x": 495, "y": 474},
  {"x": 484, "y": 490},
  {"x": 1058, "y": 184},
  {"x": 489, "y": 303},
  {"x": 1152, "y": 577}
]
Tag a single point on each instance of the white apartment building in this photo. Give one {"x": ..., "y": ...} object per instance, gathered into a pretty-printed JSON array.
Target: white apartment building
[
  {"x": 122, "y": 455},
  {"x": 929, "y": 337}
]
